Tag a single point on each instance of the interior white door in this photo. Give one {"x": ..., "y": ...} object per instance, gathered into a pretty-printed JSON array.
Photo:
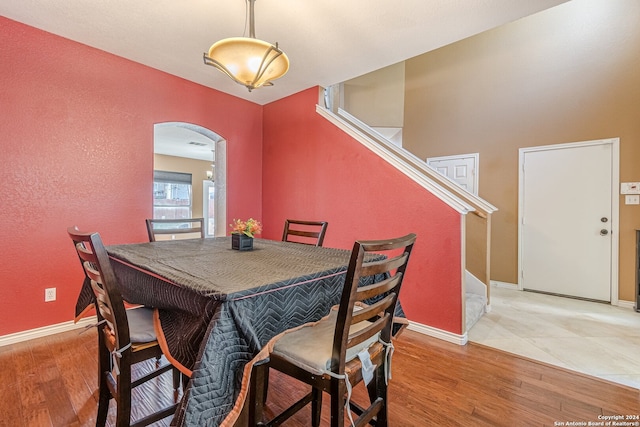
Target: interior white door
[
  {"x": 566, "y": 220},
  {"x": 461, "y": 169}
]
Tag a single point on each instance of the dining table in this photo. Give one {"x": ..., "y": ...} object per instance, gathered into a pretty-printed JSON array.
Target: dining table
[{"x": 218, "y": 307}]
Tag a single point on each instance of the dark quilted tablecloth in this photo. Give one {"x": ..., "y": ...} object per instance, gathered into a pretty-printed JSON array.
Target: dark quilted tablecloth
[
  {"x": 218, "y": 307},
  {"x": 238, "y": 300}
]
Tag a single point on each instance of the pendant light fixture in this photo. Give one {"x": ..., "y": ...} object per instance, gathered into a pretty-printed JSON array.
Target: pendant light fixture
[
  {"x": 211, "y": 173},
  {"x": 248, "y": 61}
]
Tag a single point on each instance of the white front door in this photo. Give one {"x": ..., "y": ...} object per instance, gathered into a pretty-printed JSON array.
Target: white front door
[
  {"x": 460, "y": 169},
  {"x": 567, "y": 223}
]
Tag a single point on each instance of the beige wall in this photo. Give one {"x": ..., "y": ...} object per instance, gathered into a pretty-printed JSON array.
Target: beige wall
[
  {"x": 567, "y": 74},
  {"x": 198, "y": 170},
  {"x": 377, "y": 98}
]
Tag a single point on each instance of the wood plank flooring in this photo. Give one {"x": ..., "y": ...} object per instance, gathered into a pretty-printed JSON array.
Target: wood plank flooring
[{"x": 52, "y": 381}]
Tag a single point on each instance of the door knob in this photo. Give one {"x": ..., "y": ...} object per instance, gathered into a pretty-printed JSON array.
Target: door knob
[
  {"x": 604, "y": 232},
  {"x": 604, "y": 219}
]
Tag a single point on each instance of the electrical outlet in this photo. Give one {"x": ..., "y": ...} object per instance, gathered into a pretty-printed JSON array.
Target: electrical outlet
[
  {"x": 632, "y": 199},
  {"x": 49, "y": 294}
]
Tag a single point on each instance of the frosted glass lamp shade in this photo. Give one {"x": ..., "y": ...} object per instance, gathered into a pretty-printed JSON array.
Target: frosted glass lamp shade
[{"x": 248, "y": 61}]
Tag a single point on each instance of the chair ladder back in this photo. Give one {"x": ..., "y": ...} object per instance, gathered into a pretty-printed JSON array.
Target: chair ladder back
[
  {"x": 301, "y": 233},
  {"x": 92, "y": 272},
  {"x": 372, "y": 329},
  {"x": 173, "y": 228},
  {"x": 370, "y": 291},
  {"x": 373, "y": 310},
  {"x": 381, "y": 312},
  {"x": 97, "y": 266},
  {"x": 84, "y": 253},
  {"x": 103, "y": 304},
  {"x": 305, "y": 229},
  {"x": 384, "y": 266}
]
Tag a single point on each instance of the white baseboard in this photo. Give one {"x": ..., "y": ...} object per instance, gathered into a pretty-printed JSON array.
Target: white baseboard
[
  {"x": 417, "y": 327},
  {"x": 438, "y": 333},
  {"x": 626, "y": 304},
  {"x": 45, "y": 331},
  {"x": 69, "y": 326},
  {"x": 504, "y": 285}
]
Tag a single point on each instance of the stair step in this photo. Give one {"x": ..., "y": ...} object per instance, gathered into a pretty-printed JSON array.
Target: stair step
[{"x": 474, "y": 308}]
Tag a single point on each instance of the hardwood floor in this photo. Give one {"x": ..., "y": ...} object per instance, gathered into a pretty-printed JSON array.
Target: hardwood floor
[{"x": 51, "y": 381}]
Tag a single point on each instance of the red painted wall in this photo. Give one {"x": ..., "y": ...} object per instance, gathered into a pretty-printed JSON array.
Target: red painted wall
[
  {"x": 312, "y": 170},
  {"x": 76, "y": 148}
]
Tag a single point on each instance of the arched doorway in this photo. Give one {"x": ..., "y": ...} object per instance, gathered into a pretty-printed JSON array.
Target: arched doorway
[{"x": 192, "y": 149}]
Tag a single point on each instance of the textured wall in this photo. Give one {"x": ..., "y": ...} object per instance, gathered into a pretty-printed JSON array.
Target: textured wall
[
  {"x": 567, "y": 74},
  {"x": 377, "y": 98},
  {"x": 76, "y": 133},
  {"x": 312, "y": 170},
  {"x": 76, "y": 139}
]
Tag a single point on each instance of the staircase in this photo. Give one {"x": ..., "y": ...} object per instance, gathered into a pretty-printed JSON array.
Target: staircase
[
  {"x": 476, "y": 210},
  {"x": 475, "y": 299}
]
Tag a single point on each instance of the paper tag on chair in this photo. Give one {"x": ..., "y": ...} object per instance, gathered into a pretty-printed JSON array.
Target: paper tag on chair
[{"x": 367, "y": 366}]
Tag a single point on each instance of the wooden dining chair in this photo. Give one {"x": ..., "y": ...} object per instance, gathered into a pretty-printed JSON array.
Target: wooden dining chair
[
  {"x": 175, "y": 229},
  {"x": 307, "y": 232},
  {"x": 329, "y": 355},
  {"x": 125, "y": 337}
]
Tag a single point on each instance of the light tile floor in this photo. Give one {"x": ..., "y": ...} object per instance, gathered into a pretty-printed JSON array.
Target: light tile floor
[{"x": 593, "y": 338}]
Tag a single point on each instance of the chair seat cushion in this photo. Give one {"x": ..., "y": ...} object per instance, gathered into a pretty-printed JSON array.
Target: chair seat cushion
[
  {"x": 310, "y": 347},
  {"x": 141, "y": 328}
]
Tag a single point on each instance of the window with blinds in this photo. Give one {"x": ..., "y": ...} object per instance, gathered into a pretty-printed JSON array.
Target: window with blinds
[{"x": 172, "y": 197}]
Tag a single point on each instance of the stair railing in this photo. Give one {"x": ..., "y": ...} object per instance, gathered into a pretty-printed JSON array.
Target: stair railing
[{"x": 477, "y": 226}]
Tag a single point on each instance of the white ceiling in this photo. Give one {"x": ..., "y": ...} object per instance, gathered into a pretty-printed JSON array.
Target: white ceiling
[
  {"x": 327, "y": 41},
  {"x": 184, "y": 140}
]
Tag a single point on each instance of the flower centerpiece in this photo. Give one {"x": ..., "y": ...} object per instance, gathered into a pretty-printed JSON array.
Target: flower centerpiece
[{"x": 242, "y": 233}]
